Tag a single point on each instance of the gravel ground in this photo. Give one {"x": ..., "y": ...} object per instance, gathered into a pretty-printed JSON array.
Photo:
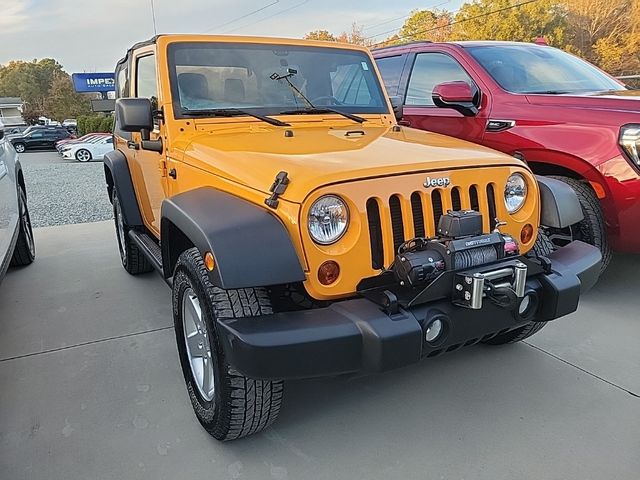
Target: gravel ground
[{"x": 63, "y": 191}]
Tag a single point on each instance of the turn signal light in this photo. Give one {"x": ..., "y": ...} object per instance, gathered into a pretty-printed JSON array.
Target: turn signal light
[
  {"x": 209, "y": 262},
  {"x": 328, "y": 272},
  {"x": 526, "y": 234}
]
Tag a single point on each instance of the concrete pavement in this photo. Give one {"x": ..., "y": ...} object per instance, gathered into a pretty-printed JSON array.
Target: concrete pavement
[{"x": 90, "y": 388}]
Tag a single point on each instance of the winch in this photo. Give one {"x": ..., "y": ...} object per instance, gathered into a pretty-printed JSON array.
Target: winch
[
  {"x": 460, "y": 245},
  {"x": 461, "y": 263}
]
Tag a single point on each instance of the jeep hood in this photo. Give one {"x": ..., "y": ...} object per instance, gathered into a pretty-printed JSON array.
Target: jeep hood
[
  {"x": 317, "y": 156},
  {"x": 615, "y": 100}
]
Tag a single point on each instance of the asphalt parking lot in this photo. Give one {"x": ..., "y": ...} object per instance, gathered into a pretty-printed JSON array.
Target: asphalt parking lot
[{"x": 90, "y": 387}]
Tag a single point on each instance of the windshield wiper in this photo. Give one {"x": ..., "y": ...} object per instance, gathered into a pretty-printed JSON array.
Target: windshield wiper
[
  {"x": 233, "y": 112},
  {"x": 302, "y": 111},
  {"x": 311, "y": 108}
]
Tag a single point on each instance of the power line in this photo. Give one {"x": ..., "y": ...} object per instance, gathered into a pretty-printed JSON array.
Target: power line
[
  {"x": 268, "y": 17},
  {"x": 244, "y": 16},
  {"x": 401, "y": 18},
  {"x": 459, "y": 21}
]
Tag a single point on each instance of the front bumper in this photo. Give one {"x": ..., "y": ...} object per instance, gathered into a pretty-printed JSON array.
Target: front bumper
[{"x": 358, "y": 336}]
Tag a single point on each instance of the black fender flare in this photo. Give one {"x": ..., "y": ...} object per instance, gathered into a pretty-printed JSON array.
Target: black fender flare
[
  {"x": 559, "y": 204},
  {"x": 250, "y": 245},
  {"x": 116, "y": 170}
]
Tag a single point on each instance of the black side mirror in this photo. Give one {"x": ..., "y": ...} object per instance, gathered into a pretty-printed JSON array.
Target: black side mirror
[
  {"x": 136, "y": 115},
  {"x": 396, "y": 104}
]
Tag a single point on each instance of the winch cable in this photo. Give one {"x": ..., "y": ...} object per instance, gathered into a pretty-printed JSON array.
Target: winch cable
[{"x": 503, "y": 297}]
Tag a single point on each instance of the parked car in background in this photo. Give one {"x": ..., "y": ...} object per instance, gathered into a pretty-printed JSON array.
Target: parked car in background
[
  {"x": 563, "y": 116},
  {"x": 70, "y": 122},
  {"x": 92, "y": 149},
  {"x": 39, "y": 138},
  {"x": 16, "y": 236},
  {"x": 89, "y": 137}
]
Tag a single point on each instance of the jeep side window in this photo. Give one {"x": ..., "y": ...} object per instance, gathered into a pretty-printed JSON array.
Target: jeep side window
[
  {"x": 146, "y": 83},
  {"x": 429, "y": 70},
  {"x": 391, "y": 69}
]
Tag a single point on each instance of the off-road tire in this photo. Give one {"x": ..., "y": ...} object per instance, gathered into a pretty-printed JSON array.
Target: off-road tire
[
  {"x": 133, "y": 259},
  {"x": 20, "y": 147},
  {"x": 25, "y": 251},
  {"x": 592, "y": 229},
  {"x": 240, "y": 406},
  {"x": 542, "y": 248}
]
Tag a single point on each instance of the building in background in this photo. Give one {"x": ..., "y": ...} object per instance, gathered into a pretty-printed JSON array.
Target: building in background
[{"x": 11, "y": 111}]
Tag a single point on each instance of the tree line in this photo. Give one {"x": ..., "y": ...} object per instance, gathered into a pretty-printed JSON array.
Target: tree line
[
  {"x": 604, "y": 32},
  {"x": 45, "y": 88}
]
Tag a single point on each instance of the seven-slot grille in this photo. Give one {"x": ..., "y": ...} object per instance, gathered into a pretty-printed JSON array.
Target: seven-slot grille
[{"x": 399, "y": 217}]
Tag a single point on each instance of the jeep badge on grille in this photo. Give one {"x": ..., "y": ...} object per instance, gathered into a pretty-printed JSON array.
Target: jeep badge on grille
[{"x": 437, "y": 182}]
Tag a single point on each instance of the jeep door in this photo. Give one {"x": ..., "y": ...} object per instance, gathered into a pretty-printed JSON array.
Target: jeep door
[
  {"x": 8, "y": 198},
  {"x": 147, "y": 167},
  {"x": 426, "y": 70}
]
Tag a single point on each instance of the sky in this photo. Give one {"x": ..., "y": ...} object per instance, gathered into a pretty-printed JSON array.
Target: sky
[{"x": 91, "y": 35}]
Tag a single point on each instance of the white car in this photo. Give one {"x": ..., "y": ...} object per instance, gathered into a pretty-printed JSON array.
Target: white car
[
  {"x": 87, "y": 151},
  {"x": 16, "y": 237}
]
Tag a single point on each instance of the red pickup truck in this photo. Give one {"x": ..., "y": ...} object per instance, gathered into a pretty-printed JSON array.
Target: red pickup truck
[{"x": 562, "y": 115}]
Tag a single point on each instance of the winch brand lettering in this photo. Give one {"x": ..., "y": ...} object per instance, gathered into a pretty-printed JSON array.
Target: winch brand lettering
[
  {"x": 479, "y": 241},
  {"x": 437, "y": 182}
]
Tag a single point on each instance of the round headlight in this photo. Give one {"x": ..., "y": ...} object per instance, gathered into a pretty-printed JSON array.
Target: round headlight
[
  {"x": 328, "y": 219},
  {"x": 515, "y": 192}
]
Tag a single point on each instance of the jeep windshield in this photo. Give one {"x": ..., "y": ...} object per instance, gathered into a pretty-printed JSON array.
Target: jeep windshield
[
  {"x": 257, "y": 79},
  {"x": 543, "y": 70}
]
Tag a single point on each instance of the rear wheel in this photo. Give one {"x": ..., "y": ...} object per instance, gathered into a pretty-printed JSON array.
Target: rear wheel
[
  {"x": 83, "y": 155},
  {"x": 592, "y": 228},
  {"x": 542, "y": 248},
  {"x": 133, "y": 260},
  {"x": 25, "y": 251},
  {"x": 227, "y": 404}
]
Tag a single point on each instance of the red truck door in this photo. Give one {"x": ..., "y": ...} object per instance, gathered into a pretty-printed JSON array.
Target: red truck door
[{"x": 428, "y": 69}]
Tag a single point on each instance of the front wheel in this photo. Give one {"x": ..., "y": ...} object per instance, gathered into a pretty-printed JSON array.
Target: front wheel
[
  {"x": 20, "y": 147},
  {"x": 592, "y": 228},
  {"x": 227, "y": 404},
  {"x": 25, "y": 252}
]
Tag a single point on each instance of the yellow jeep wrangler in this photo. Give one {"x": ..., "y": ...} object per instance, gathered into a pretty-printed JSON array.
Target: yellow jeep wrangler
[{"x": 305, "y": 233}]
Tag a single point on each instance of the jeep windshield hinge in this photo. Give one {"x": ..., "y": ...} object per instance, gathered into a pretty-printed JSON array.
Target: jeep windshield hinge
[{"x": 277, "y": 188}]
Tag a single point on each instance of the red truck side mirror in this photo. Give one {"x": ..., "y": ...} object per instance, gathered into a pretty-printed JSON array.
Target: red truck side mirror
[{"x": 457, "y": 95}]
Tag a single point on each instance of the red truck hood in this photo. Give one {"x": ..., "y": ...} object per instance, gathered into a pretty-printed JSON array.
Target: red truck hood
[{"x": 616, "y": 100}]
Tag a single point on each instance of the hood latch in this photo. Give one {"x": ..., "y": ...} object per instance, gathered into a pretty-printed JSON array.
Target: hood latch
[{"x": 277, "y": 188}]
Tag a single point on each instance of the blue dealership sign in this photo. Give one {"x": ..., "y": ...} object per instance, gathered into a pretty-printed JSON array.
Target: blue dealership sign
[{"x": 94, "y": 82}]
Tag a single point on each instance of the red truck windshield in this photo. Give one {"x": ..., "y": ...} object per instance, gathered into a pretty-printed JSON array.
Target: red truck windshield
[{"x": 537, "y": 69}]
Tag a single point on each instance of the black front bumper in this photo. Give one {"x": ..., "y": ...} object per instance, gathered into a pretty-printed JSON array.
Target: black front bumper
[{"x": 358, "y": 336}]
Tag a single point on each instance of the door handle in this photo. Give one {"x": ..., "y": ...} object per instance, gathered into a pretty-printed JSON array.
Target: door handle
[
  {"x": 404, "y": 123},
  {"x": 133, "y": 145}
]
